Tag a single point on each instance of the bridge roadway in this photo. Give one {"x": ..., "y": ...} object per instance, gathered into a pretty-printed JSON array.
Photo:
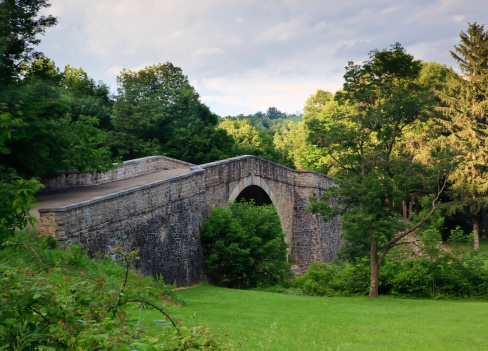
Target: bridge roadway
[{"x": 61, "y": 198}]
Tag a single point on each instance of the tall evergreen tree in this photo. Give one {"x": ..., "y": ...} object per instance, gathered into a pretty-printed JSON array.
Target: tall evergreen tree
[{"x": 466, "y": 106}]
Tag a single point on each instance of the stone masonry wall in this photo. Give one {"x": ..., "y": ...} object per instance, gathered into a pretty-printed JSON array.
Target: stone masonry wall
[
  {"x": 127, "y": 169},
  {"x": 313, "y": 239},
  {"x": 309, "y": 237},
  {"x": 162, "y": 219}
]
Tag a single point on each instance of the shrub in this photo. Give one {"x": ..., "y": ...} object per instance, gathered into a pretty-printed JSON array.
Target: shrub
[
  {"x": 316, "y": 281},
  {"x": 244, "y": 246},
  {"x": 63, "y": 307}
]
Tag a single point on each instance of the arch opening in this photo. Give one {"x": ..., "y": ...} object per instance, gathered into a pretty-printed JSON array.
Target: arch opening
[{"x": 256, "y": 194}]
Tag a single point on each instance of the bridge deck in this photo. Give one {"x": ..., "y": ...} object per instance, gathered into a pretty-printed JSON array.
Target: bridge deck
[{"x": 71, "y": 196}]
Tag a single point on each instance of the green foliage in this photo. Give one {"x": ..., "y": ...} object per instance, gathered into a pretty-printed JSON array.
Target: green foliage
[
  {"x": 16, "y": 198},
  {"x": 209, "y": 144},
  {"x": 16, "y": 194},
  {"x": 153, "y": 106},
  {"x": 249, "y": 140},
  {"x": 378, "y": 178},
  {"x": 322, "y": 279},
  {"x": 51, "y": 135},
  {"x": 406, "y": 278},
  {"x": 458, "y": 236},
  {"x": 465, "y": 111},
  {"x": 20, "y": 24},
  {"x": 244, "y": 245},
  {"x": 63, "y": 306},
  {"x": 448, "y": 276}
]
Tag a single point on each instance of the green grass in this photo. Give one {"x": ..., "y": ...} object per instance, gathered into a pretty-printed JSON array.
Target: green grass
[
  {"x": 270, "y": 321},
  {"x": 294, "y": 119}
]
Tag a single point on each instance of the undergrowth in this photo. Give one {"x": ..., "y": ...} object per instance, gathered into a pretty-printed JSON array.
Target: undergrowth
[{"x": 54, "y": 298}]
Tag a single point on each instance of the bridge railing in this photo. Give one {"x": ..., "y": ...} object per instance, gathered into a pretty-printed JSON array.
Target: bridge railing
[
  {"x": 125, "y": 170},
  {"x": 249, "y": 164}
]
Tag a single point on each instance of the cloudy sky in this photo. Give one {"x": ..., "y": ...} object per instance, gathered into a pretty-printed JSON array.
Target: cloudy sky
[{"x": 247, "y": 55}]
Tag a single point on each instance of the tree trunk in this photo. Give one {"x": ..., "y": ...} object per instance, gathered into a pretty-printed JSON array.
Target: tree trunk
[
  {"x": 475, "y": 218},
  {"x": 373, "y": 287},
  {"x": 405, "y": 209},
  {"x": 484, "y": 224}
]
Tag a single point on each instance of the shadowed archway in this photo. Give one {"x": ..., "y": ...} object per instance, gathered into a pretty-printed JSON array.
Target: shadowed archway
[{"x": 256, "y": 194}]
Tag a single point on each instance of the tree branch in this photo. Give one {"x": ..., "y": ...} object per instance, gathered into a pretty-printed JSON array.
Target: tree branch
[{"x": 415, "y": 227}]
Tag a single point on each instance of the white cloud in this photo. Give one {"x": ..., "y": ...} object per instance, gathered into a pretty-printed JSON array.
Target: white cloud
[
  {"x": 242, "y": 56},
  {"x": 207, "y": 51},
  {"x": 281, "y": 31},
  {"x": 459, "y": 18},
  {"x": 114, "y": 70},
  {"x": 390, "y": 10}
]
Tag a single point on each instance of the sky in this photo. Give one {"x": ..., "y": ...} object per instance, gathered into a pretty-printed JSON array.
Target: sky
[{"x": 244, "y": 56}]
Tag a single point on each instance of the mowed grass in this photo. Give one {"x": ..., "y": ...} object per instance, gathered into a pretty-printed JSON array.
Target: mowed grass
[
  {"x": 294, "y": 119},
  {"x": 271, "y": 321}
]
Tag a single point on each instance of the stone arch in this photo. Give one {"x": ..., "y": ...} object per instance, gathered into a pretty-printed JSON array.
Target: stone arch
[{"x": 253, "y": 180}]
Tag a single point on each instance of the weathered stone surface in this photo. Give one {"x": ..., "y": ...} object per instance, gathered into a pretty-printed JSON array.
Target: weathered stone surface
[
  {"x": 163, "y": 219},
  {"x": 309, "y": 237},
  {"x": 127, "y": 169}
]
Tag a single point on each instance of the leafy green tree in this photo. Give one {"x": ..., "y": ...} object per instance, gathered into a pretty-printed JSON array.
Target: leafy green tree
[
  {"x": 20, "y": 25},
  {"x": 49, "y": 138},
  {"x": 85, "y": 97},
  {"x": 151, "y": 105},
  {"x": 251, "y": 140},
  {"x": 465, "y": 101},
  {"x": 361, "y": 132},
  {"x": 16, "y": 194},
  {"x": 244, "y": 245},
  {"x": 274, "y": 113},
  {"x": 317, "y": 102},
  {"x": 293, "y": 144},
  {"x": 208, "y": 145}
]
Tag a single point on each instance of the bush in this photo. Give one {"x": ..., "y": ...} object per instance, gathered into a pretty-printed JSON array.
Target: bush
[
  {"x": 322, "y": 279},
  {"x": 244, "y": 246},
  {"x": 447, "y": 276},
  {"x": 63, "y": 307},
  {"x": 408, "y": 278}
]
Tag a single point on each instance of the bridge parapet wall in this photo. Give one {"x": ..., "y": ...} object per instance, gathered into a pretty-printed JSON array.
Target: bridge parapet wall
[
  {"x": 162, "y": 218},
  {"x": 125, "y": 170}
]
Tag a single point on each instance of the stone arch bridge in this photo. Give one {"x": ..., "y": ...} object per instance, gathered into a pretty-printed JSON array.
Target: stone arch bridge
[{"x": 158, "y": 204}]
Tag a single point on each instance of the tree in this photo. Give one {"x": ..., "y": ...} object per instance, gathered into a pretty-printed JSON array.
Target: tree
[
  {"x": 274, "y": 113},
  {"x": 361, "y": 132},
  {"x": 208, "y": 145},
  {"x": 150, "y": 106},
  {"x": 16, "y": 194},
  {"x": 52, "y": 136},
  {"x": 19, "y": 30},
  {"x": 250, "y": 140},
  {"x": 85, "y": 97},
  {"x": 244, "y": 245},
  {"x": 465, "y": 101},
  {"x": 292, "y": 143}
]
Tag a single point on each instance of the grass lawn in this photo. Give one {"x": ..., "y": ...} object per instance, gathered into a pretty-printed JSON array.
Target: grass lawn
[
  {"x": 294, "y": 119},
  {"x": 270, "y": 321}
]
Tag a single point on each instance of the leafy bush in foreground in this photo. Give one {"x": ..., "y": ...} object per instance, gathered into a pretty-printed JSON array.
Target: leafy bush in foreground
[
  {"x": 63, "y": 307},
  {"x": 244, "y": 245}
]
